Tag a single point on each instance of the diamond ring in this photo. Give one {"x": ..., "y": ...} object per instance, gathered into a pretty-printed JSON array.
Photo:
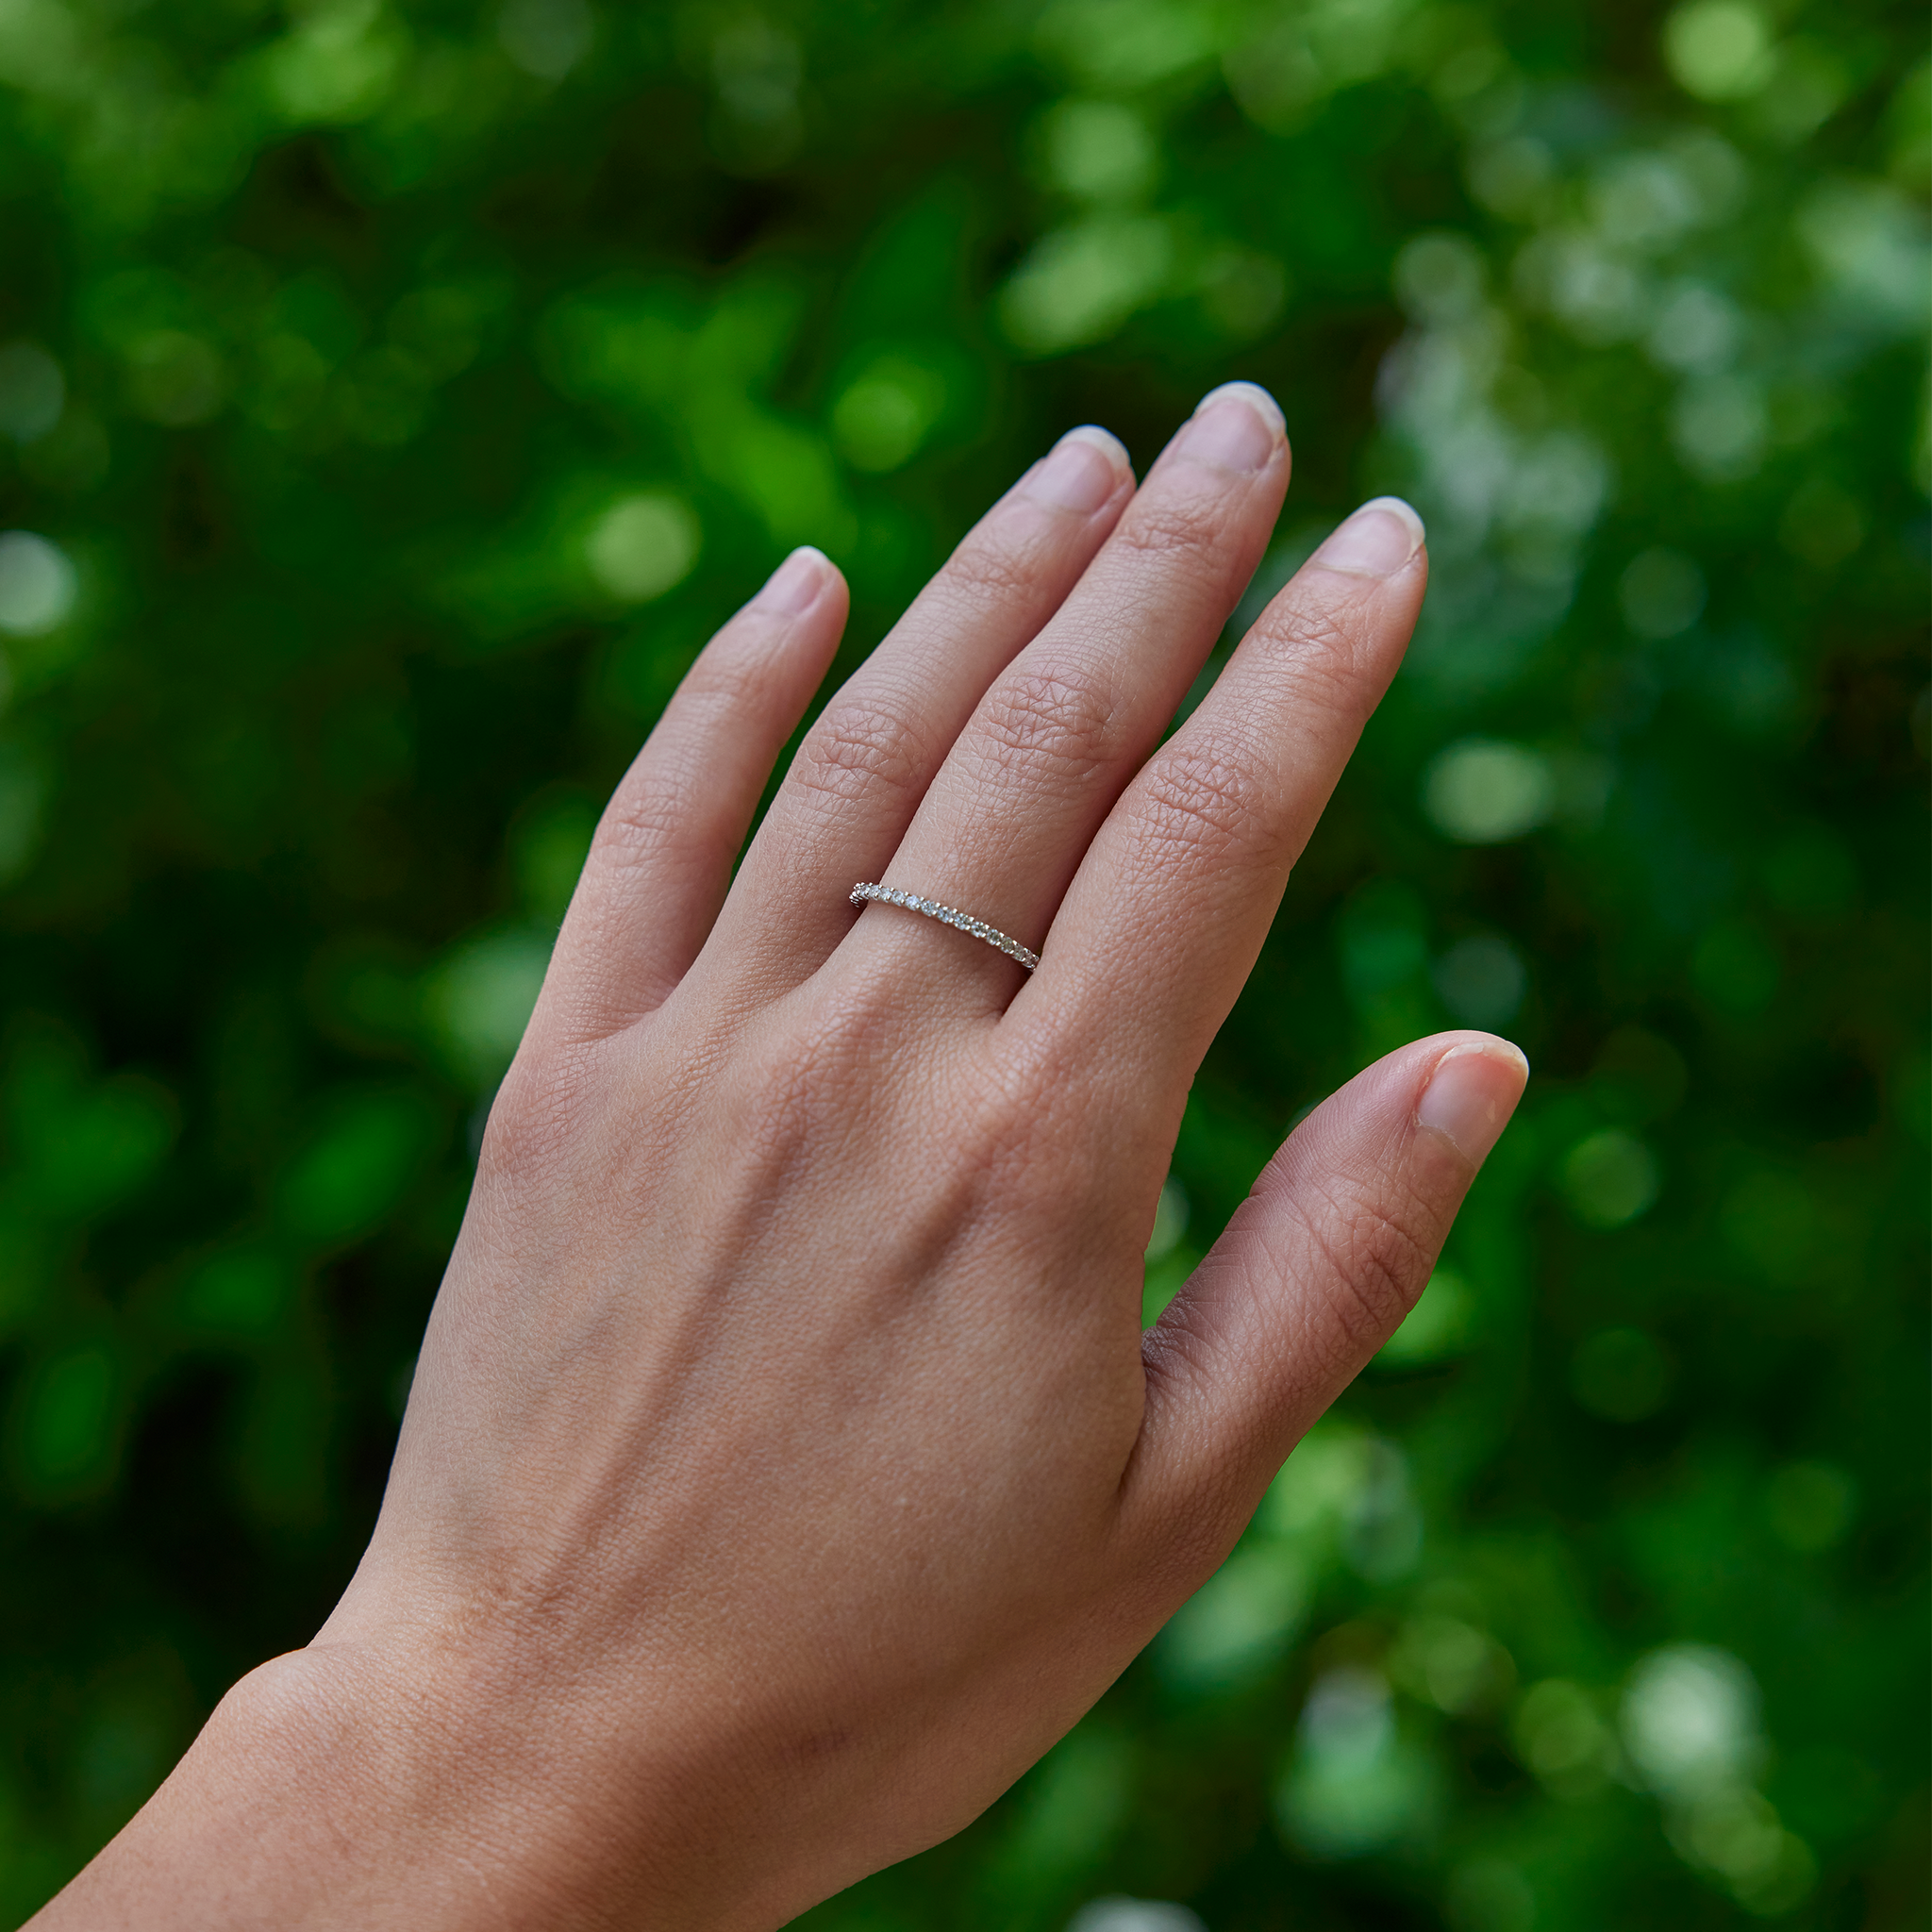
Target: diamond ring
[{"x": 948, "y": 915}]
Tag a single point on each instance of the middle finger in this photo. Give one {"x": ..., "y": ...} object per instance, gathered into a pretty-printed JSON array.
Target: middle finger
[{"x": 1062, "y": 729}]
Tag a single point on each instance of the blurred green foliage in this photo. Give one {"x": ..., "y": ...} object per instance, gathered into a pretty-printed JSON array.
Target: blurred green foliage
[{"x": 393, "y": 397}]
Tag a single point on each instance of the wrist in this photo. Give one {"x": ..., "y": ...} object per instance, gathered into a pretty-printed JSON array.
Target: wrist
[{"x": 345, "y": 1785}]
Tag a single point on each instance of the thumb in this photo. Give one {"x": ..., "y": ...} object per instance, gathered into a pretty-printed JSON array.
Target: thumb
[{"x": 1315, "y": 1271}]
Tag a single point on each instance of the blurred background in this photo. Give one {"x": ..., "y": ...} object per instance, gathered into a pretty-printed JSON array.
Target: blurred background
[{"x": 393, "y": 398}]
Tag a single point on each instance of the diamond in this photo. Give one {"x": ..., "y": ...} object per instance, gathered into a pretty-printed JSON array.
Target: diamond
[{"x": 946, "y": 915}]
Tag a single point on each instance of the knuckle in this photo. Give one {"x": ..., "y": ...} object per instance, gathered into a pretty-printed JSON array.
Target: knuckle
[
  {"x": 1379, "y": 1251},
  {"x": 817, "y": 1066},
  {"x": 985, "y": 567},
  {"x": 1058, "y": 720},
  {"x": 719, "y": 683},
  {"x": 651, "y": 811},
  {"x": 645, "y": 816},
  {"x": 1197, "y": 806},
  {"x": 1324, "y": 650},
  {"x": 806, "y": 1091},
  {"x": 534, "y": 1118},
  {"x": 795, "y": 1088},
  {"x": 1174, "y": 529},
  {"x": 858, "y": 748}
]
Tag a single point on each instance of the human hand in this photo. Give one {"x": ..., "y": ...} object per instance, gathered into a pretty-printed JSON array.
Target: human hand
[{"x": 786, "y": 1468}]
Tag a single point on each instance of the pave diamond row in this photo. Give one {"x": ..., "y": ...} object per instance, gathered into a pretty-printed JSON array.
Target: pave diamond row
[{"x": 948, "y": 915}]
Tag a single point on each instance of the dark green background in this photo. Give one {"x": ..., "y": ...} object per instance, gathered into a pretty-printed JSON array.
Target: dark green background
[{"x": 370, "y": 376}]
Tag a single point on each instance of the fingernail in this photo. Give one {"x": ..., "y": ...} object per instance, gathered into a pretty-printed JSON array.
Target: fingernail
[
  {"x": 1375, "y": 541},
  {"x": 1471, "y": 1094},
  {"x": 1081, "y": 472},
  {"x": 793, "y": 588},
  {"x": 1234, "y": 428}
]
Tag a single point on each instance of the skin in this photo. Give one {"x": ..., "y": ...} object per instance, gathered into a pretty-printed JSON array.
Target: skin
[{"x": 786, "y": 1468}]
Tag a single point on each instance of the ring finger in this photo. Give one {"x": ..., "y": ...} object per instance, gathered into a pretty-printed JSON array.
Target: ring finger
[{"x": 867, "y": 761}]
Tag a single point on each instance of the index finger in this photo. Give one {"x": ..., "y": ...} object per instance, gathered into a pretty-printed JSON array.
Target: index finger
[{"x": 1167, "y": 914}]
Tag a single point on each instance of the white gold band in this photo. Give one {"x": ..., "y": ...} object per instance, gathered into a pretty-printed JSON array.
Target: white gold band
[{"x": 948, "y": 915}]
